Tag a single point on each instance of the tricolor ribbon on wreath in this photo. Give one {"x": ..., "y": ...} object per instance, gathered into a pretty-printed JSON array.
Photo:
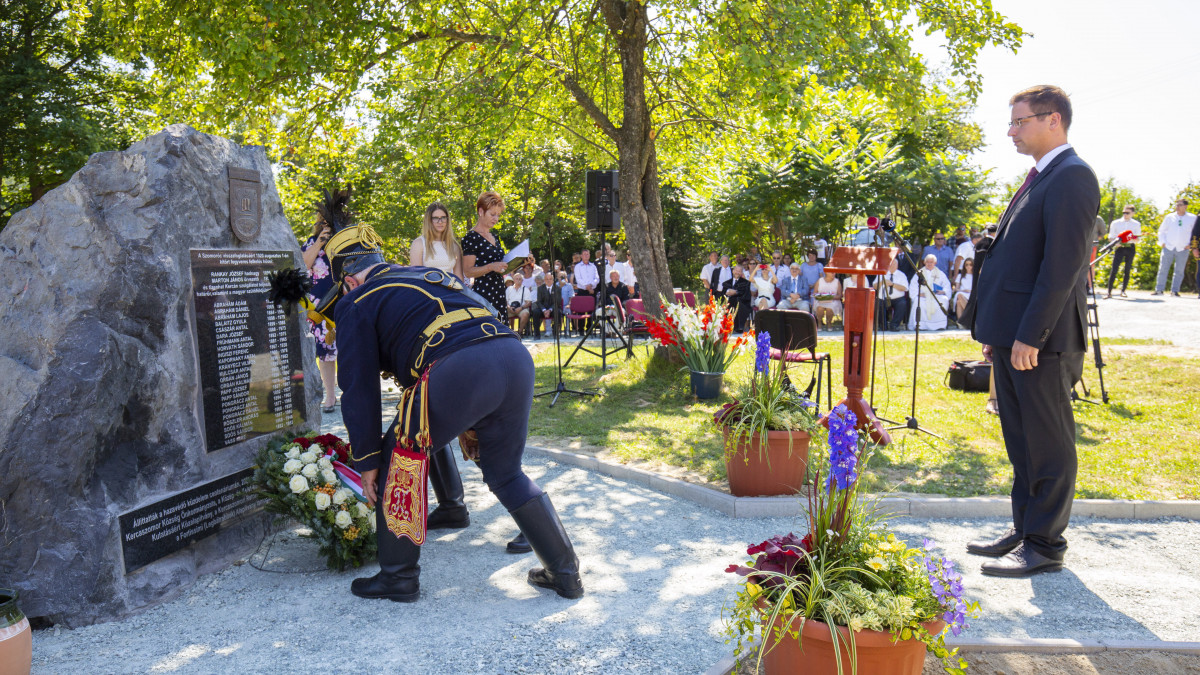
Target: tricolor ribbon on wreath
[{"x": 404, "y": 496}]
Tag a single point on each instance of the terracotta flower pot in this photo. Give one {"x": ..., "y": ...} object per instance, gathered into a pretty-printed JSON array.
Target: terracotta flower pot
[
  {"x": 16, "y": 641},
  {"x": 878, "y": 653},
  {"x": 776, "y": 472}
]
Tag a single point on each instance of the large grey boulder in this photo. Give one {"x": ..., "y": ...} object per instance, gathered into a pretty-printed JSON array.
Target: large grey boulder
[{"x": 99, "y": 411}]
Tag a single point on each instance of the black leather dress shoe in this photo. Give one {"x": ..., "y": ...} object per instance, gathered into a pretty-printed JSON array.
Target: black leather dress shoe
[
  {"x": 995, "y": 547},
  {"x": 1022, "y": 561}
]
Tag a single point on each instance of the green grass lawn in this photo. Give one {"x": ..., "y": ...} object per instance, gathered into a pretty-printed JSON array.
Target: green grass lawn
[{"x": 1143, "y": 445}]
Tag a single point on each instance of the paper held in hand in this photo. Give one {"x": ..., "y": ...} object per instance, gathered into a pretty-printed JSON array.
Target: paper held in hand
[{"x": 516, "y": 257}]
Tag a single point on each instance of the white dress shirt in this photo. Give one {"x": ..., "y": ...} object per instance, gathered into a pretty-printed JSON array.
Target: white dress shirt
[
  {"x": 1120, "y": 225},
  {"x": 517, "y": 294},
  {"x": 898, "y": 288},
  {"x": 586, "y": 275},
  {"x": 1049, "y": 157},
  {"x": 626, "y": 272},
  {"x": 706, "y": 272},
  {"x": 1175, "y": 233}
]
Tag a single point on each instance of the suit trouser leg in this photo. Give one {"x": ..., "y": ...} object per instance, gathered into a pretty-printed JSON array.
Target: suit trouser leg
[{"x": 1039, "y": 435}]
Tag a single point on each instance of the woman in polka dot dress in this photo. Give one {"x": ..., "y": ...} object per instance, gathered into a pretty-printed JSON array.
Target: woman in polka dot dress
[{"x": 483, "y": 254}]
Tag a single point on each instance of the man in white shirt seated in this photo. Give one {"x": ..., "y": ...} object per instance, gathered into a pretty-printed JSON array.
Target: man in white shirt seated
[
  {"x": 1175, "y": 236},
  {"x": 520, "y": 300},
  {"x": 1123, "y": 254},
  {"x": 891, "y": 298},
  {"x": 794, "y": 292},
  {"x": 934, "y": 292},
  {"x": 587, "y": 278}
]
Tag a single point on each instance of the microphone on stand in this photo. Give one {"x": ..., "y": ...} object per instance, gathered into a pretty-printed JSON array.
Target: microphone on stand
[{"x": 1123, "y": 238}]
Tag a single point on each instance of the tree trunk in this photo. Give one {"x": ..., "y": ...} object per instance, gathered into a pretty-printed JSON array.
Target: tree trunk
[{"x": 641, "y": 203}]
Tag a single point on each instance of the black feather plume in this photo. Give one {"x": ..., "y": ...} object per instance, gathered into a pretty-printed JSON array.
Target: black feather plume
[
  {"x": 334, "y": 209},
  {"x": 288, "y": 286}
]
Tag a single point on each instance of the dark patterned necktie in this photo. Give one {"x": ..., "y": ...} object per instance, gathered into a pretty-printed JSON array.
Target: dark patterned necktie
[{"x": 1021, "y": 190}]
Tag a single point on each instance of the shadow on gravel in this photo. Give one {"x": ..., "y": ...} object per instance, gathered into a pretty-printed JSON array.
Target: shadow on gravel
[{"x": 1071, "y": 608}]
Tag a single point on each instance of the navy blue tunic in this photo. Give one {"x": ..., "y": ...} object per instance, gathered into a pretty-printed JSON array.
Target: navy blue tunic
[{"x": 379, "y": 327}]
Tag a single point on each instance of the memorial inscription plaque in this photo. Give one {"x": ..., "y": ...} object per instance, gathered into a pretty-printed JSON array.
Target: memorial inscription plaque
[
  {"x": 251, "y": 373},
  {"x": 164, "y": 527}
]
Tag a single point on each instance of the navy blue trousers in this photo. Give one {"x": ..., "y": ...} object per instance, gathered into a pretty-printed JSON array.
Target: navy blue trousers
[
  {"x": 1039, "y": 435},
  {"x": 487, "y": 387}
]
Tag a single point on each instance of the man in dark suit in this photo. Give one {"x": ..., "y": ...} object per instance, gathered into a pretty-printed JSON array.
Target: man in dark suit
[{"x": 1028, "y": 310}]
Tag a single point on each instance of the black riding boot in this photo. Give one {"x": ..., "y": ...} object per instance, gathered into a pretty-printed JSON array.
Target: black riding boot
[
  {"x": 451, "y": 512},
  {"x": 519, "y": 544},
  {"x": 399, "y": 573},
  {"x": 560, "y": 572}
]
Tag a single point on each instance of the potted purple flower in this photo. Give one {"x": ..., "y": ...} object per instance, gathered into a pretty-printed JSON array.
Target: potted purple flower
[
  {"x": 767, "y": 431},
  {"x": 848, "y": 596}
]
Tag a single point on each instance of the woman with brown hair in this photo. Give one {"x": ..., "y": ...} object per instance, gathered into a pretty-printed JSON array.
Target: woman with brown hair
[
  {"x": 483, "y": 254},
  {"x": 437, "y": 247}
]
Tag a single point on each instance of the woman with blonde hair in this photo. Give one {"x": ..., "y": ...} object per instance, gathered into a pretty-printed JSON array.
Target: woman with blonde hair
[{"x": 437, "y": 246}]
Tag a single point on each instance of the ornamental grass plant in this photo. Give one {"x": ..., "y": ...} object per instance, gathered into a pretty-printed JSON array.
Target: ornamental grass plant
[
  {"x": 767, "y": 403},
  {"x": 701, "y": 336},
  {"x": 306, "y": 478},
  {"x": 847, "y": 570}
]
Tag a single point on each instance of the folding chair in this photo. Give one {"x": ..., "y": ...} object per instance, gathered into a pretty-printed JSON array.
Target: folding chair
[
  {"x": 635, "y": 321},
  {"x": 581, "y": 307},
  {"x": 794, "y": 340}
]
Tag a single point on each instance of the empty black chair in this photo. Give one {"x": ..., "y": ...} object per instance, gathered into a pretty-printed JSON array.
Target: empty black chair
[{"x": 794, "y": 340}]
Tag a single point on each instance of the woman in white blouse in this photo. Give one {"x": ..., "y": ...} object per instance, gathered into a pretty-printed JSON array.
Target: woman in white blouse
[
  {"x": 962, "y": 286},
  {"x": 764, "y": 285},
  {"x": 437, "y": 246}
]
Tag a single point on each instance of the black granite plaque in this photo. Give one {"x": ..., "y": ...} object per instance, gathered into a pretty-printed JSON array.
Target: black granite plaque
[
  {"x": 251, "y": 373},
  {"x": 164, "y": 527}
]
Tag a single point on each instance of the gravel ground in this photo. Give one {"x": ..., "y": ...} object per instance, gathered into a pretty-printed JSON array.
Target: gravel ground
[{"x": 653, "y": 569}]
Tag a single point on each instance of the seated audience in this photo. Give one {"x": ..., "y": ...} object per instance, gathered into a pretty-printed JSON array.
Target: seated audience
[
  {"x": 827, "y": 293},
  {"x": 737, "y": 293},
  {"x": 931, "y": 299},
  {"x": 764, "y": 287},
  {"x": 794, "y": 292}
]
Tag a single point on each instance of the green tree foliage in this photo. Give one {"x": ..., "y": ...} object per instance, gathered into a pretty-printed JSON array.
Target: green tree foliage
[
  {"x": 620, "y": 79},
  {"x": 62, "y": 96},
  {"x": 850, "y": 157}
]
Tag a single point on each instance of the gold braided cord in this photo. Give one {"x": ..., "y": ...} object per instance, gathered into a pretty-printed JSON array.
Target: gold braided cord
[{"x": 368, "y": 237}]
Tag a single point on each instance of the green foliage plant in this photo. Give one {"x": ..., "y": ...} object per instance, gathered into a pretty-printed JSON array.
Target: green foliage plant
[
  {"x": 767, "y": 403},
  {"x": 847, "y": 570}
]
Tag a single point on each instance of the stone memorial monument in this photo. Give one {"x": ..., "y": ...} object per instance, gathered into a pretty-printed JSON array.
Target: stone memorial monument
[{"x": 143, "y": 368}]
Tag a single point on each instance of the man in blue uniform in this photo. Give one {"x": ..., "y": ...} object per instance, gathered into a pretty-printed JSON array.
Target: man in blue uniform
[{"x": 465, "y": 374}]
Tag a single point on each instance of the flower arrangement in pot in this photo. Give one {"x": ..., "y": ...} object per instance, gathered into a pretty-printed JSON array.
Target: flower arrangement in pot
[
  {"x": 701, "y": 337},
  {"x": 307, "y": 478},
  {"x": 848, "y": 596},
  {"x": 767, "y": 430}
]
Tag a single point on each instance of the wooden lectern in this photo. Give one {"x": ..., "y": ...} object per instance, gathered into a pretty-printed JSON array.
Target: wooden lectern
[{"x": 859, "y": 318}]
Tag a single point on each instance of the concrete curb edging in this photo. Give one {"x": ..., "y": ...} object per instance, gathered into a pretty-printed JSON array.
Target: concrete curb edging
[
  {"x": 1027, "y": 646},
  {"x": 920, "y": 507}
]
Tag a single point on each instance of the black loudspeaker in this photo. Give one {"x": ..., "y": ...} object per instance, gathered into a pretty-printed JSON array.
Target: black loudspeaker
[{"x": 603, "y": 201}]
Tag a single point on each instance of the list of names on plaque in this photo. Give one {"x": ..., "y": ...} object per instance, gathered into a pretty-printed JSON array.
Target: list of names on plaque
[{"x": 250, "y": 368}]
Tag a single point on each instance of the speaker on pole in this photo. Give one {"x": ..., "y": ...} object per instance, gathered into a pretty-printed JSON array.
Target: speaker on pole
[{"x": 603, "y": 202}]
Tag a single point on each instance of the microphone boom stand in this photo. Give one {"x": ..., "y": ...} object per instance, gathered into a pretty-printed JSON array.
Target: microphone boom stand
[
  {"x": 556, "y": 324},
  {"x": 911, "y": 421}
]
